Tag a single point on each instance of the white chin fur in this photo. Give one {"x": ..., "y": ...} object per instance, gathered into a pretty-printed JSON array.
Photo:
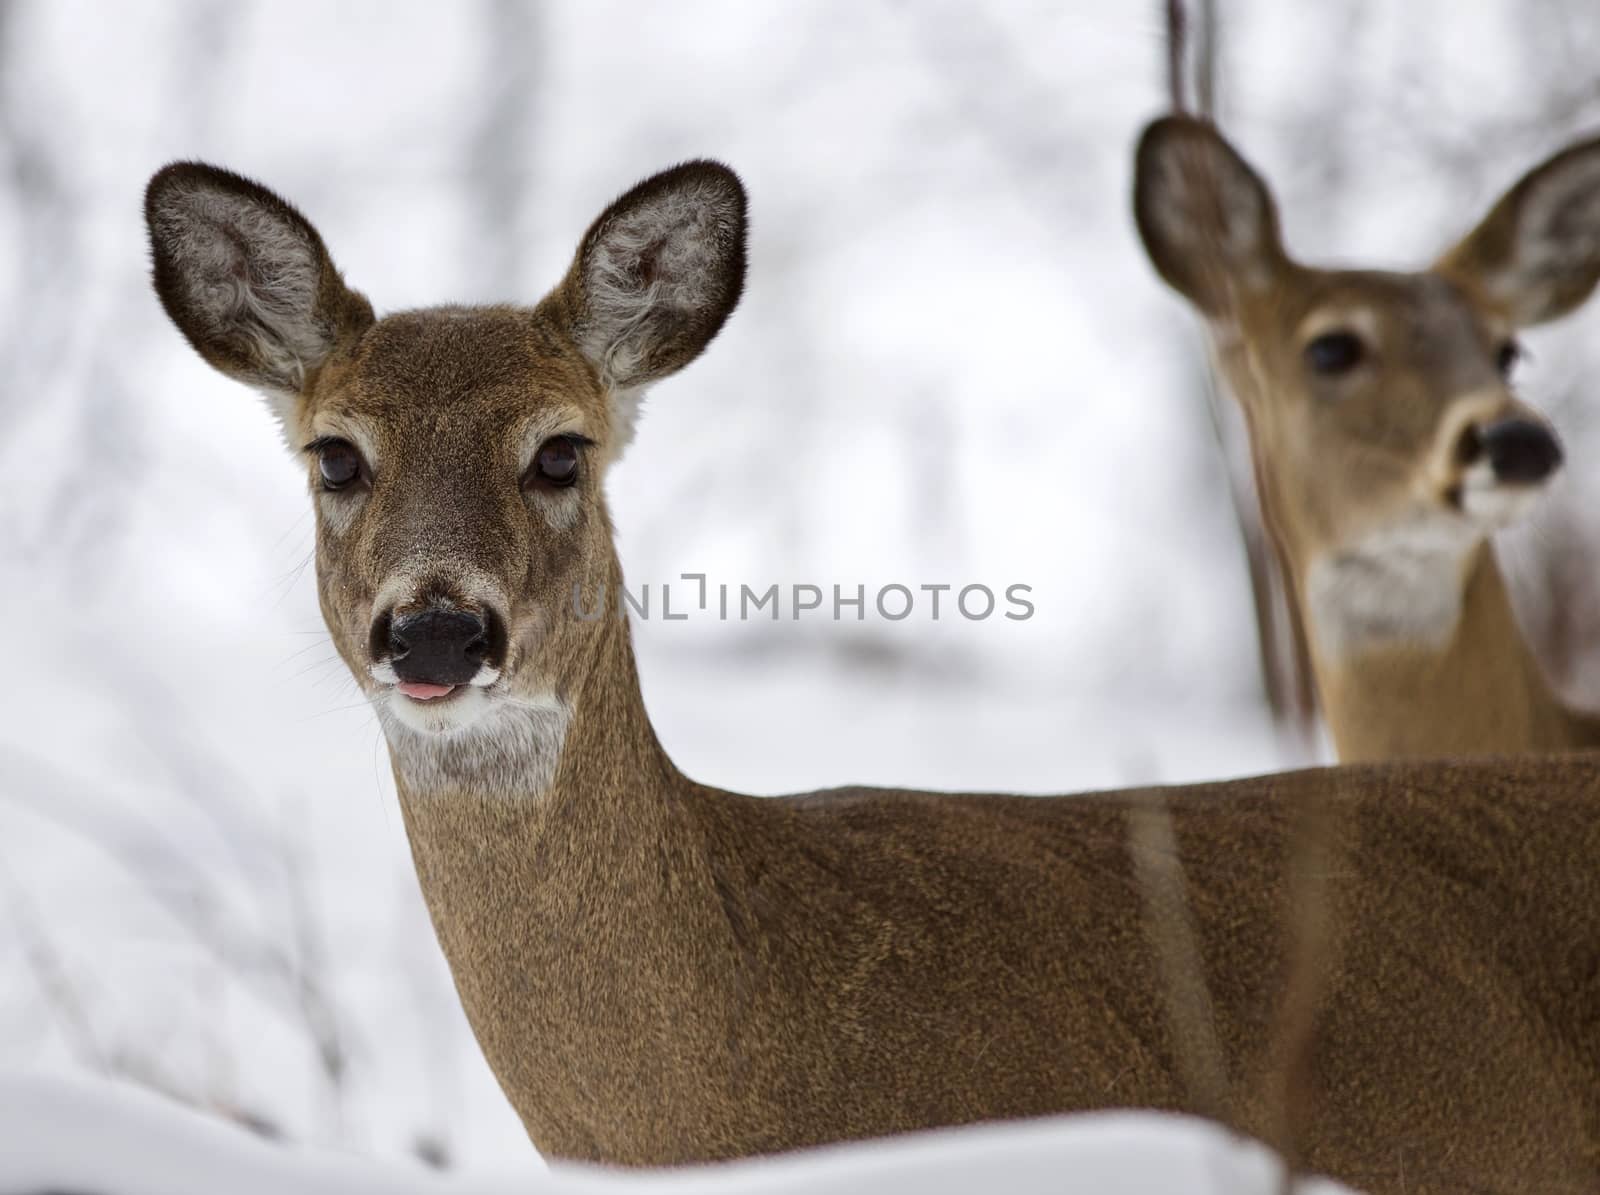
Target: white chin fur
[
  {"x": 503, "y": 746},
  {"x": 1401, "y": 584},
  {"x": 1492, "y": 504},
  {"x": 445, "y": 715}
]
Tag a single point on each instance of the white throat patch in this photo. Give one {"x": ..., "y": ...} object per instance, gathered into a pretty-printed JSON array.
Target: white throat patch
[
  {"x": 509, "y": 752},
  {"x": 1399, "y": 587}
]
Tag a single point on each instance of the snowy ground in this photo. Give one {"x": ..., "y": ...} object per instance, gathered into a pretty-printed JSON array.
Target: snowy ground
[{"x": 72, "y": 1137}]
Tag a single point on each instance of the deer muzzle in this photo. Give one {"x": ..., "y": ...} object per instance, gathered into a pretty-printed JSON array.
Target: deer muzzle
[{"x": 432, "y": 651}]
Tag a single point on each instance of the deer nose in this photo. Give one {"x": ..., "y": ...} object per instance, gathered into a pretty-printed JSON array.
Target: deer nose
[
  {"x": 438, "y": 647},
  {"x": 1520, "y": 451}
]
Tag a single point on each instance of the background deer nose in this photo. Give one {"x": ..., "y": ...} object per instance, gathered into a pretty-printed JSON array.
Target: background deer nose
[
  {"x": 1520, "y": 450},
  {"x": 438, "y": 647}
]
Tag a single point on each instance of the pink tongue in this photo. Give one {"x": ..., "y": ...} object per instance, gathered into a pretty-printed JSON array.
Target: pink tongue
[{"x": 422, "y": 691}]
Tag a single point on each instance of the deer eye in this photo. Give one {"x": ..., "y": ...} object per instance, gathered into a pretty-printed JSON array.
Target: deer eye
[
  {"x": 1334, "y": 353},
  {"x": 1507, "y": 356},
  {"x": 337, "y": 461},
  {"x": 555, "y": 465}
]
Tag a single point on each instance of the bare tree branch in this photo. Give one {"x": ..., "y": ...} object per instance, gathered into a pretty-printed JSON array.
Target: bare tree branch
[
  {"x": 50, "y": 972},
  {"x": 289, "y": 979},
  {"x": 1314, "y": 858},
  {"x": 497, "y": 169},
  {"x": 1169, "y": 927},
  {"x": 1282, "y": 652},
  {"x": 1177, "y": 50}
]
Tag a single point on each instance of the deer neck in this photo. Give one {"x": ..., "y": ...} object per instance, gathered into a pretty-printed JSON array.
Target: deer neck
[
  {"x": 1419, "y": 654},
  {"x": 564, "y": 910}
]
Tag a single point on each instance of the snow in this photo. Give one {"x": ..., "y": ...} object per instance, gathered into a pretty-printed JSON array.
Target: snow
[{"x": 81, "y": 1137}]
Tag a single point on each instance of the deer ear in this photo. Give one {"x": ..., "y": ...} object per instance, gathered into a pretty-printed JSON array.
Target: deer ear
[
  {"x": 1207, "y": 221},
  {"x": 657, "y": 275},
  {"x": 247, "y": 280},
  {"x": 1537, "y": 253}
]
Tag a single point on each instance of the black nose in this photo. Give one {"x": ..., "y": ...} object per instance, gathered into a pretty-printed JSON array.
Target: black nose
[
  {"x": 438, "y": 647},
  {"x": 1520, "y": 450}
]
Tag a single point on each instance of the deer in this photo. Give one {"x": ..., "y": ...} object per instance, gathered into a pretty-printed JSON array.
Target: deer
[
  {"x": 1388, "y": 445},
  {"x": 660, "y": 972}
]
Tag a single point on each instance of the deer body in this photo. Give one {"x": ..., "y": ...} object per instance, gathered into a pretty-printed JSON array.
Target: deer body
[
  {"x": 660, "y": 972},
  {"x": 1387, "y": 440}
]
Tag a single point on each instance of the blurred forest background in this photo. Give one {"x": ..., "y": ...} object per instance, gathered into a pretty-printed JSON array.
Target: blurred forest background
[{"x": 952, "y": 364}]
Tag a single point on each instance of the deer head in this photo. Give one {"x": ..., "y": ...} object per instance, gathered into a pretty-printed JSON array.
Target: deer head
[
  {"x": 1387, "y": 437},
  {"x": 456, "y": 456}
]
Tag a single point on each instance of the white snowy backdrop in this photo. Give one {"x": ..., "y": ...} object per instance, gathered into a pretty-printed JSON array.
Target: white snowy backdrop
[{"x": 952, "y": 364}]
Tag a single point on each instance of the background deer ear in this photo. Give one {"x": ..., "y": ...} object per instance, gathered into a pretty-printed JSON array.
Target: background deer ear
[
  {"x": 657, "y": 275},
  {"x": 1537, "y": 253},
  {"x": 1207, "y": 221},
  {"x": 247, "y": 280}
]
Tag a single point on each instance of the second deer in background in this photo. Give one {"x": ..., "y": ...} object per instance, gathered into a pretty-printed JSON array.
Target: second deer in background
[{"x": 1386, "y": 440}]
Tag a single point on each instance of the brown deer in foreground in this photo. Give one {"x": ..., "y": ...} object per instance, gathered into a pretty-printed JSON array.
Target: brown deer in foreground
[
  {"x": 661, "y": 972},
  {"x": 1387, "y": 442}
]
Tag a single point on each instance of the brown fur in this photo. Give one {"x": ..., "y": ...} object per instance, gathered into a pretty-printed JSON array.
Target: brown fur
[
  {"x": 1345, "y": 459},
  {"x": 661, "y": 972}
]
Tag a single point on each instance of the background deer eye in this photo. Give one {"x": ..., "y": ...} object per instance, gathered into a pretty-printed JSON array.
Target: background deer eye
[
  {"x": 555, "y": 465},
  {"x": 1507, "y": 356},
  {"x": 338, "y": 462},
  {"x": 1334, "y": 352}
]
